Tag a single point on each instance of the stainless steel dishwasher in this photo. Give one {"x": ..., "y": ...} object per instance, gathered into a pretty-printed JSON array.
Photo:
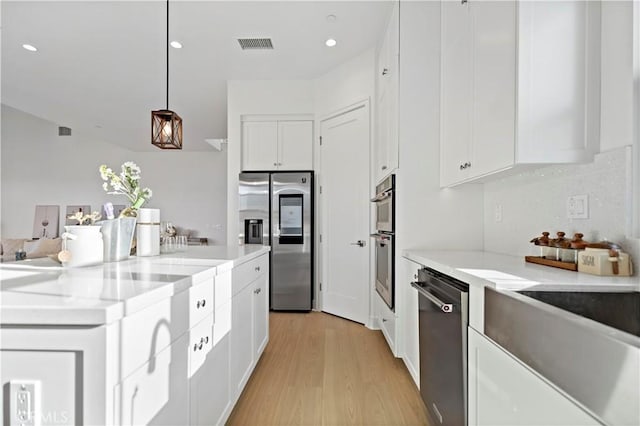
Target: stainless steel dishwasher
[{"x": 443, "y": 318}]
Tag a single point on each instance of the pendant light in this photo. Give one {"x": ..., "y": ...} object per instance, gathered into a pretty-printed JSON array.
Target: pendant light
[{"x": 166, "y": 125}]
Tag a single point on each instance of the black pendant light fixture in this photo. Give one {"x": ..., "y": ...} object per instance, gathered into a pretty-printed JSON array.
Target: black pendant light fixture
[{"x": 166, "y": 125}]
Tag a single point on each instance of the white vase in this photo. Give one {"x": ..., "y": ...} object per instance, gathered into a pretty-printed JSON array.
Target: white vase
[
  {"x": 84, "y": 245},
  {"x": 118, "y": 236}
]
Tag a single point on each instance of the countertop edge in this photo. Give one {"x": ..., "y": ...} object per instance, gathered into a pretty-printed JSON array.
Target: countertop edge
[{"x": 96, "y": 316}]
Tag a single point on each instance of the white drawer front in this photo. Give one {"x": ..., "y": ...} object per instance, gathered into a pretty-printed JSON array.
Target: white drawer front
[
  {"x": 200, "y": 301},
  {"x": 200, "y": 343},
  {"x": 149, "y": 331},
  {"x": 249, "y": 271}
]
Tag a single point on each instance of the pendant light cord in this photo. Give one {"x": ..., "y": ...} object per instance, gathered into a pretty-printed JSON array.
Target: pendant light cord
[{"x": 167, "y": 55}]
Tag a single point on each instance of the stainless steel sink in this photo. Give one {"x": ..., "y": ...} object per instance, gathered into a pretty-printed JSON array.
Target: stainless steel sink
[
  {"x": 576, "y": 343},
  {"x": 619, "y": 310}
]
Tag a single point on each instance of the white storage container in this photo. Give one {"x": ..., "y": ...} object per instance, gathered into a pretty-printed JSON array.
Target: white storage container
[{"x": 148, "y": 232}]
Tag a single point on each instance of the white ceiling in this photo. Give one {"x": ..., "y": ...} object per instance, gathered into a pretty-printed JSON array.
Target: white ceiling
[{"x": 100, "y": 66}]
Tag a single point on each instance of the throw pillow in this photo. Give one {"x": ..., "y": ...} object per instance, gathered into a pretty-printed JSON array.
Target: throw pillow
[{"x": 42, "y": 247}]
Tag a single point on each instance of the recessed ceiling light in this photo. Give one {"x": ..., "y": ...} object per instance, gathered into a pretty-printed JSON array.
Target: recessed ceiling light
[
  {"x": 176, "y": 44},
  {"x": 30, "y": 48},
  {"x": 330, "y": 42}
]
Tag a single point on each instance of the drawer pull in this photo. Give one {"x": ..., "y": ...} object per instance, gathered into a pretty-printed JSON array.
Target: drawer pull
[
  {"x": 206, "y": 339},
  {"x": 257, "y": 291},
  {"x": 257, "y": 269},
  {"x": 201, "y": 303}
]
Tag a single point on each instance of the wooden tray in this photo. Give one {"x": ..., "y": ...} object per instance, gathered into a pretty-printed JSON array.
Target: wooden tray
[{"x": 548, "y": 262}]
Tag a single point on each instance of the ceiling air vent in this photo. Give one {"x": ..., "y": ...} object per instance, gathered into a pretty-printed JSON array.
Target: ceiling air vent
[
  {"x": 255, "y": 43},
  {"x": 64, "y": 131}
]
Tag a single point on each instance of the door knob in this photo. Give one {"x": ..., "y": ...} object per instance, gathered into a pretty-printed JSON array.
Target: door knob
[{"x": 359, "y": 243}]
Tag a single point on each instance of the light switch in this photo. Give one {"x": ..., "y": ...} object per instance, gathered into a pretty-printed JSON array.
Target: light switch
[
  {"x": 24, "y": 401},
  {"x": 578, "y": 207}
]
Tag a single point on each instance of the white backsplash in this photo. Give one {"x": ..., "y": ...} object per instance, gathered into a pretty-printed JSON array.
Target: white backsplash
[{"x": 535, "y": 201}]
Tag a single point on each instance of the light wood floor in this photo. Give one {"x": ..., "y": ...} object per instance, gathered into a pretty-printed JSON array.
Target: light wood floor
[{"x": 323, "y": 370}]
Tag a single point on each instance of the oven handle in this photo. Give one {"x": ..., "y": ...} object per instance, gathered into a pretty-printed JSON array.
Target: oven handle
[
  {"x": 444, "y": 307},
  {"x": 382, "y": 196}
]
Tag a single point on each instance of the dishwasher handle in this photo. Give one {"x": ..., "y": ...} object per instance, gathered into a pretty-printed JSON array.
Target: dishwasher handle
[{"x": 444, "y": 307}]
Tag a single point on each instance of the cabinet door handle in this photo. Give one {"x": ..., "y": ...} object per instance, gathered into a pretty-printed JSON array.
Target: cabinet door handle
[
  {"x": 257, "y": 269},
  {"x": 201, "y": 303},
  {"x": 275, "y": 164},
  {"x": 384, "y": 167},
  {"x": 385, "y": 71},
  {"x": 384, "y": 320},
  {"x": 257, "y": 291},
  {"x": 463, "y": 1}
]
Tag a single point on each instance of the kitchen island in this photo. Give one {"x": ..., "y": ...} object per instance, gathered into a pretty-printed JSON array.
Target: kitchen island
[
  {"x": 530, "y": 362},
  {"x": 169, "y": 339}
]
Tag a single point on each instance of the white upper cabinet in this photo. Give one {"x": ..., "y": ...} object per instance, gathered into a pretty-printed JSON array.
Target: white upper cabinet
[
  {"x": 519, "y": 85},
  {"x": 277, "y": 145},
  {"x": 259, "y": 145},
  {"x": 386, "y": 141},
  {"x": 295, "y": 142}
]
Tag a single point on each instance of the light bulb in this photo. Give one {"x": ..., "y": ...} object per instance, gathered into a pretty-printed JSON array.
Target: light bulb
[{"x": 167, "y": 129}]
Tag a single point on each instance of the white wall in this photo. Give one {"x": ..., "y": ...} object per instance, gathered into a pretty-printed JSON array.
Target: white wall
[
  {"x": 350, "y": 82},
  {"x": 245, "y": 97},
  {"x": 535, "y": 201},
  {"x": 39, "y": 167}
]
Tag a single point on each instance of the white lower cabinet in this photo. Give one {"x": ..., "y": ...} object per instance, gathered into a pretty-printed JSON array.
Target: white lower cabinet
[
  {"x": 260, "y": 316},
  {"x": 409, "y": 315},
  {"x": 183, "y": 360},
  {"x": 157, "y": 392},
  {"x": 387, "y": 323},
  {"x": 249, "y": 323},
  {"x": 503, "y": 391},
  {"x": 209, "y": 387},
  {"x": 241, "y": 339}
]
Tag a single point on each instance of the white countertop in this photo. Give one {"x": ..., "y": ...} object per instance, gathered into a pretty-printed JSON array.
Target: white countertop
[
  {"x": 42, "y": 292},
  {"x": 513, "y": 273}
]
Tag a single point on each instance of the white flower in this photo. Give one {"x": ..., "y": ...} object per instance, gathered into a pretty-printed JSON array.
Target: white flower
[{"x": 127, "y": 183}]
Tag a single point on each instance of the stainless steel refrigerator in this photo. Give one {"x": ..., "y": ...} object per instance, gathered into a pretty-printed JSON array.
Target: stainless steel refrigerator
[{"x": 276, "y": 209}]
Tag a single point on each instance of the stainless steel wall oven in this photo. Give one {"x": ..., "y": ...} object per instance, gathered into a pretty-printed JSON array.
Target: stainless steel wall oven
[{"x": 385, "y": 240}]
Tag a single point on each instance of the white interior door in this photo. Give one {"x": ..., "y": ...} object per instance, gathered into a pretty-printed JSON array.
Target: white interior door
[{"x": 344, "y": 166}]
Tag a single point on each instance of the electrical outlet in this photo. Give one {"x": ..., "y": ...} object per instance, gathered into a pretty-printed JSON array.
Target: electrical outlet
[
  {"x": 497, "y": 213},
  {"x": 24, "y": 402},
  {"x": 578, "y": 207}
]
